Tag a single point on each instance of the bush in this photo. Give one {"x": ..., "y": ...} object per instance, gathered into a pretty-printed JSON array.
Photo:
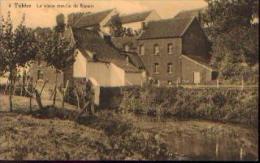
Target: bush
[{"x": 230, "y": 105}]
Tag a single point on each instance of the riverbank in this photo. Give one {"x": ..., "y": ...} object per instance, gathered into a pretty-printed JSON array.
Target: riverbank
[
  {"x": 222, "y": 105},
  {"x": 54, "y": 134}
]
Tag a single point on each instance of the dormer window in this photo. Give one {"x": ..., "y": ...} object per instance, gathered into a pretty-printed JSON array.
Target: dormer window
[
  {"x": 170, "y": 48},
  {"x": 156, "y": 49},
  {"x": 141, "y": 49}
]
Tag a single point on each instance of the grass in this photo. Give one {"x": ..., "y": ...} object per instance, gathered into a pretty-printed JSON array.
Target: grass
[{"x": 55, "y": 134}]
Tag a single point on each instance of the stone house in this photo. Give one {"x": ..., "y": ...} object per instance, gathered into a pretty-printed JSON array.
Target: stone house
[
  {"x": 135, "y": 21},
  {"x": 95, "y": 58},
  {"x": 175, "y": 50},
  {"x": 96, "y": 20}
]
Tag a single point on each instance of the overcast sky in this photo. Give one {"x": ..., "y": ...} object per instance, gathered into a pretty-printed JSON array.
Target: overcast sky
[{"x": 46, "y": 17}]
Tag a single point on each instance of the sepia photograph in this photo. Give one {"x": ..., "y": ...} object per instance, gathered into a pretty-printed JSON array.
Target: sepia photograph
[{"x": 134, "y": 80}]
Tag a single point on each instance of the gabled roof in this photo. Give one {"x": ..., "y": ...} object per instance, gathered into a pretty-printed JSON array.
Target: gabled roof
[
  {"x": 120, "y": 42},
  {"x": 167, "y": 28},
  {"x": 189, "y": 13},
  {"x": 87, "y": 40},
  {"x": 134, "y": 17},
  {"x": 135, "y": 59},
  {"x": 205, "y": 62},
  {"x": 92, "y": 19}
]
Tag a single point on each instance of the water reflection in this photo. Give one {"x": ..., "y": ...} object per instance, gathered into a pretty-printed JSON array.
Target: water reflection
[{"x": 205, "y": 140}]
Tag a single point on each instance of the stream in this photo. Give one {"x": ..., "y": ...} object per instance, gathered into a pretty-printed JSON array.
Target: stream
[{"x": 203, "y": 140}]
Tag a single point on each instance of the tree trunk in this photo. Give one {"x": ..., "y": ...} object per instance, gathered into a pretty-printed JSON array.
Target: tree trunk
[
  {"x": 30, "y": 103},
  {"x": 23, "y": 85},
  {"x": 11, "y": 91},
  {"x": 77, "y": 96},
  {"x": 38, "y": 99},
  {"x": 55, "y": 88},
  {"x": 64, "y": 93}
]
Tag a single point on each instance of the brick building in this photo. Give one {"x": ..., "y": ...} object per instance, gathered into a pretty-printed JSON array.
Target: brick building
[{"x": 175, "y": 50}]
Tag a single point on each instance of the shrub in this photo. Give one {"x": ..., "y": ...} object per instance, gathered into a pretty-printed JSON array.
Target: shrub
[{"x": 231, "y": 105}]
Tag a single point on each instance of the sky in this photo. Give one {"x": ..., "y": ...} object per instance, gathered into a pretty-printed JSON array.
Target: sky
[{"x": 36, "y": 15}]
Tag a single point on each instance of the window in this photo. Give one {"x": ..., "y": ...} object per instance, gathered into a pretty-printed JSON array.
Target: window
[
  {"x": 156, "y": 67},
  {"x": 157, "y": 82},
  {"x": 156, "y": 49},
  {"x": 141, "y": 49},
  {"x": 170, "y": 48},
  {"x": 39, "y": 75},
  {"x": 169, "y": 68},
  {"x": 127, "y": 48}
]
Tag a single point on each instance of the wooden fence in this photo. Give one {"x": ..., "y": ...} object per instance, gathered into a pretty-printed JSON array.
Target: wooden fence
[{"x": 220, "y": 86}]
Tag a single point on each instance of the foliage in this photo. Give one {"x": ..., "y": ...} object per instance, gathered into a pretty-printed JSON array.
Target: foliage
[
  {"x": 211, "y": 104},
  {"x": 234, "y": 37},
  {"x": 224, "y": 15},
  {"x": 60, "y": 21},
  {"x": 57, "y": 51},
  {"x": 18, "y": 47},
  {"x": 116, "y": 26}
]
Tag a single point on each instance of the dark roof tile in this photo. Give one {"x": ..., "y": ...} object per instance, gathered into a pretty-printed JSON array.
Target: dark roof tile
[
  {"x": 131, "y": 18},
  {"x": 120, "y": 42},
  {"x": 92, "y": 19},
  {"x": 166, "y": 28},
  {"x": 189, "y": 13},
  {"x": 87, "y": 40},
  {"x": 135, "y": 17}
]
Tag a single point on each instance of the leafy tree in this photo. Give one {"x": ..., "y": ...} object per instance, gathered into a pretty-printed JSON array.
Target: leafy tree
[
  {"x": 60, "y": 20},
  {"x": 18, "y": 47},
  {"x": 116, "y": 26},
  {"x": 224, "y": 15},
  {"x": 234, "y": 37},
  {"x": 58, "y": 52}
]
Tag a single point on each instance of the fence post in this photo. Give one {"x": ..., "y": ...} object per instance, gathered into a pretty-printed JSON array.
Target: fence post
[
  {"x": 242, "y": 84},
  {"x": 241, "y": 153},
  {"x": 217, "y": 149}
]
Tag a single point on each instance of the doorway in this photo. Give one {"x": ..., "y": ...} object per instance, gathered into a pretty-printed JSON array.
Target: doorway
[{"x": 196, "y": 77}]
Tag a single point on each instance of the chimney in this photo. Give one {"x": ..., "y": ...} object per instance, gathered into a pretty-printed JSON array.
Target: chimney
[{"x": 144, "y": 25}]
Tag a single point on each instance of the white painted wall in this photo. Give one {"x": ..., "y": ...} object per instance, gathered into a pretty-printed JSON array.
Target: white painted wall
[
  {"x": 79, "y": 66},
  {"x": 106, "y": 74},
  {"x": 100, "y": 72},
  {"x": 117, "y": 76},
  {"x": 134, "y": 26},
  {"x": 138, "y": 78}
]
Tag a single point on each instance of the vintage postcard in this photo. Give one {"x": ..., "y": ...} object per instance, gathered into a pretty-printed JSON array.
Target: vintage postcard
[{"x": 129, "y": 80}]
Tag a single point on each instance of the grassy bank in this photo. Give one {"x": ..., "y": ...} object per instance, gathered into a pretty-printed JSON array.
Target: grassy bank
[
  {"x": 54, "y": 133},
  {"x": 226, "y": 105}
]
